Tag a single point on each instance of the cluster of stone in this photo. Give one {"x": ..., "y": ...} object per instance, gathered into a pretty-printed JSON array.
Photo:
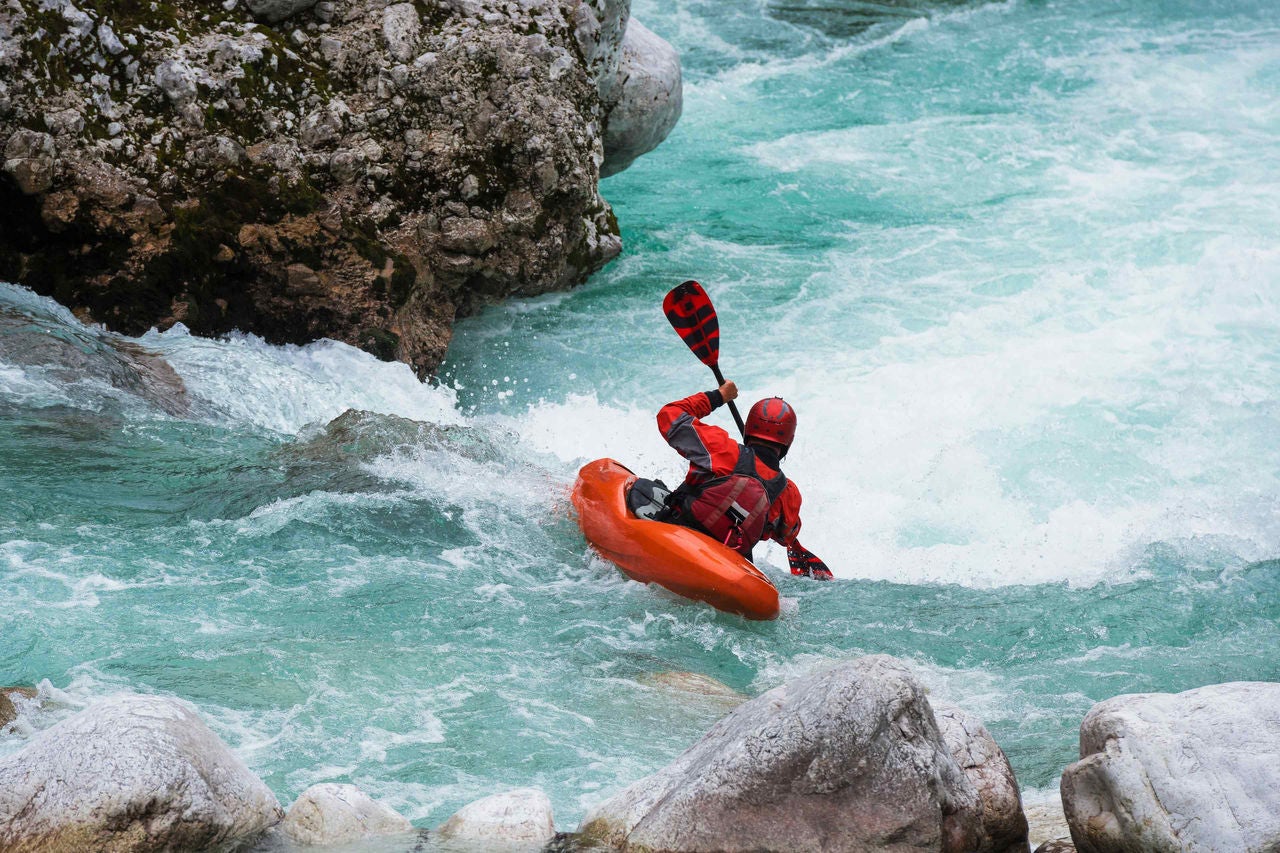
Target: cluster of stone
[
  {"x": 353, "y": 169},
  {"x": 850, "y": 758}
]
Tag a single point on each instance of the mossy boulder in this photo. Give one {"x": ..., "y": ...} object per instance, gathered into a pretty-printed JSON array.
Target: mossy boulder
[{"x": 186, "y": 161}]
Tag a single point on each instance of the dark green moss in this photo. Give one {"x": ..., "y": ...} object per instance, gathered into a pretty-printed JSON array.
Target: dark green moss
[
  {"x": 403, "y": 279},
  {"x": 363, "y": 236},
  {"x": 379, "y": 342}
]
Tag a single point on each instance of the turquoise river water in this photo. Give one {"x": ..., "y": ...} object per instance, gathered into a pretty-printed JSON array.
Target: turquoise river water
[{"x": 1015, "y": 264}]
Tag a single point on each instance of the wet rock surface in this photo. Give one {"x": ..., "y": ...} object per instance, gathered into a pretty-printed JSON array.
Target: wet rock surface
[
  {"x": 522, "y": 816},
  {"x": 1057, "y": 845},
  {"x": 130, "y": 773},
  {"x": 354, "y": 169},
  {"x": 849, "y": 758},
  {"x": 1003, "y": 825},
  {"x": 71, "y": 353},
  {"x": 1193, "y": 771},
  {"x": 9, "y": 710},
  {"x": 331, "y": 813}
]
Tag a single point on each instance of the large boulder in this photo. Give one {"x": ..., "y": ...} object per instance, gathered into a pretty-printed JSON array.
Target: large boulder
[
  {"x": 637, "y": 77},
  {"x": 278, "y": 10},
  {"x": 1187, "y": 772},
  {"x": 646, "y": 101},
  {"x": 331, "y": 813},
  {"x": 522, "y": 816},
  {"x": 849, "y": 758},
  {"x": 1004, "y": 825},
  {"x": 354, "y": 169},
  {"x": 130, "y": 773}
]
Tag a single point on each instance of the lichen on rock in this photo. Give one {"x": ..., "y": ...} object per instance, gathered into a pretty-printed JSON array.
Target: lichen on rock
[{"x": 354, "y": 169}]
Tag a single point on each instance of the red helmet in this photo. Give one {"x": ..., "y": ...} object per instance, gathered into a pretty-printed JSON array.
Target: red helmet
[{"x": 772, "y": 420}]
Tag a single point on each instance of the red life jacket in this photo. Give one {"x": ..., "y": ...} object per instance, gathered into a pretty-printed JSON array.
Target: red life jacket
[{"x": 734, "y": 508}]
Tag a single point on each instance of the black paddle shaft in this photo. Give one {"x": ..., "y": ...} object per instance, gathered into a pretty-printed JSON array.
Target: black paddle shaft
[{"x": 733, "y": 407}]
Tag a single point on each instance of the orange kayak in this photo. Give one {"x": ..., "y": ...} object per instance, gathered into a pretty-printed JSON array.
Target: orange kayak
[{"x": 682, "y": 560}]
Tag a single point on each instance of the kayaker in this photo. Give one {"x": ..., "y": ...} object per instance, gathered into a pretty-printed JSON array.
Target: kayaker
[{"x": 735, "y": 492}]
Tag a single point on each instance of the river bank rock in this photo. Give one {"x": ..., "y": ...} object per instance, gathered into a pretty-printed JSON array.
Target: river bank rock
[
  {"x": 850, "y": 758},
  {"x": 1194, "y": 771},
  {"x": 331, "y": 813},
  {"x": 522, "y": 816},
  {"x": 130, "y": 773},
  {"x": 355, "y": 169},
  {"x": 1004, "y": 825}
]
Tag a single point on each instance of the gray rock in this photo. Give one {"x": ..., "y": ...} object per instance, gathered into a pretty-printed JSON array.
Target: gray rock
[
  {"x": 339, "y": 814},
  {"x": 466, "y": 236},
  {"x": 130, "y": 773},
  {"x": 848, "y": 759},
  {"x": 278, "y": 10},
  {"x": 522, "y": 816},
  {"x": 1004, "y": 826},
  {"x": 29, "y": 159},
  {"x": 1057, "y": 845},
  {"x": 177, "y": 80},
  {"x": 636, "y": 74},
  {"x": 646, "y": 103},
  {"x": 1045, "y": 819},
  {"x": 600, "y": 27},
  {"x": 400, "y": 27},
  {"x": 324, "y": 126},
  {"x": 90, "y": 354},
  {"x": 1194, "y": 771}
]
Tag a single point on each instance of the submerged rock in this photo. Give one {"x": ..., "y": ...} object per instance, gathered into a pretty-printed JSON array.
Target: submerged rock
[
  {"x": 850, "y": 758},
  {"x": 1194, "y": 771},
  {"x": 130, "y": 773},
  {"x": 522, "y": 816},
  {"x": 338, "y": 814},
  {"x": 35, "y": 333},
  {"x": 350, "y": 169},
  {"x": 695, "y": 684},
  {"x": 8, "y": 710}
]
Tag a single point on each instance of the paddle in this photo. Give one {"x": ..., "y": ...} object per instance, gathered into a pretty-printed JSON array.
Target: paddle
[{"x": 691, "y": 314}]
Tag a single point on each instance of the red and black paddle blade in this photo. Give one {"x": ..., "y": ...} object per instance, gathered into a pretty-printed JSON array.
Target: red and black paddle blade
[
  {"x": 806, "y": 563},
  {"x": 691, "y": 314}
]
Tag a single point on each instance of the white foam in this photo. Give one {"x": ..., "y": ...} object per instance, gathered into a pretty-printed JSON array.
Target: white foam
[{"x": 285, "y": 388}]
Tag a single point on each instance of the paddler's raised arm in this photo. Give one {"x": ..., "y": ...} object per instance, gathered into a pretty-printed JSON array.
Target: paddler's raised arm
[{"x": 704, "y": 445}]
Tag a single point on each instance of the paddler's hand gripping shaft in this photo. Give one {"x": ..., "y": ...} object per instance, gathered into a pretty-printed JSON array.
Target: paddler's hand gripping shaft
[{"x": 691, "y": 314}]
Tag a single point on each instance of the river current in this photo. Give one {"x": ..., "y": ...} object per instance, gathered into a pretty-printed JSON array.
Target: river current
[{"x": 1015, "y": 264}]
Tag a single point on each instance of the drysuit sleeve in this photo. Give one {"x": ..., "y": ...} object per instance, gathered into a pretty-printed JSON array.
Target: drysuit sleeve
[{"x": 709, "y": 449}]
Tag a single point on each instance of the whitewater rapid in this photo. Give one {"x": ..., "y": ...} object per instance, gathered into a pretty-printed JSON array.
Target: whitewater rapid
[{"x": 1015, "y": 266}]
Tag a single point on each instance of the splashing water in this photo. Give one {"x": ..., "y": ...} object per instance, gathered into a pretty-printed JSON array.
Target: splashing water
[{"x": 1013, "y": 263}]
